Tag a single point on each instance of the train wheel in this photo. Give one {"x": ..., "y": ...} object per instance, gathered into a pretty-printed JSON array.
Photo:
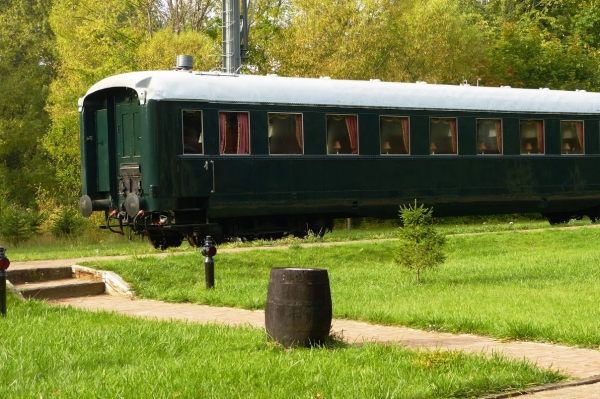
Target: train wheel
[
  {"x": 164, "y": 242},
  {"x": 174, "y": 241},
  {"x": 300, "y": 234},
  {"x": 557, "y": 218},
  {"x": 194, "y": 241},
  {"x": 594, "y": 215},
  {"x": 318, "y": 227},
  {"x": 157, "y": 242}
]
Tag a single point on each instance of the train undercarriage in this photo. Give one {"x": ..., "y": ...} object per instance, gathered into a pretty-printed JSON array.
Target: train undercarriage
[{"x": 169, "y": 229}]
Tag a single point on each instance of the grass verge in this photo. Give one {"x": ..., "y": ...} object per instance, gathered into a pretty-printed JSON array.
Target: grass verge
[
  {"x": 55, "y": 352},
  {"x": 103, "y": 243}
]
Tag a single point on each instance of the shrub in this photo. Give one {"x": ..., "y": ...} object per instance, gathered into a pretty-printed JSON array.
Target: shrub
[
  {"x": 420, "y": 246},
  {"x": 18, "y": 224},
  {"x": 65, "y": 221}
]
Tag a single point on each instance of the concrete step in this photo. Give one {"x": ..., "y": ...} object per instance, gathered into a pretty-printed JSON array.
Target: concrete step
[
  {"x": 34, "y": 275},
  {"x": 64, "y": 288}
]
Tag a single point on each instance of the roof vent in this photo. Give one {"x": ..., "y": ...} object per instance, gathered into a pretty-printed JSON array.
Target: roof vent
[{"x": 184, "y": 63}]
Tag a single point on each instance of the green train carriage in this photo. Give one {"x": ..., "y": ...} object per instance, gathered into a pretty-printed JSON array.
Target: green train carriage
[{"x": 183, "y": 154}]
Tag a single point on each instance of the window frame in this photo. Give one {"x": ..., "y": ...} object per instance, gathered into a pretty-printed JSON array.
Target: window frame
[
  {"x": 453, "y": 140},
  {"x": 221, "y": 149},
  {"x": 523, "y": 148},
  {"x": 479, "y": 143},
  {"x": 296, "y": 133},
  {"x": 405, "y": 145},
  {"x": 336, "y": 142},
  {"x": 190, "y": 110},
  {"x": 581, "y": 139}
]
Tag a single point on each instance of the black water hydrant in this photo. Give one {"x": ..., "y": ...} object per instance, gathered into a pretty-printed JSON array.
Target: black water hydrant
[
  {"x": 209, "y": 250},
  {"x": 4, "y": 263}
]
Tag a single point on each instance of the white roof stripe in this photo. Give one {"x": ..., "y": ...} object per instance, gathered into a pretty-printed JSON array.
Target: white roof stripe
[{"x": 198, "y": 86}]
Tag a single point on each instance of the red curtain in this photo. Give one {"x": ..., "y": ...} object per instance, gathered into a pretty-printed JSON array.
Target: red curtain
[
  {"x": 499, "y": 135},
  {"x": 405, "y": 134},
  {"x": 222, "y": 131},
  {"x": 243, "y": 133},
  {"x": 540, "y": 136},
  {"x": 299, "y": 131},
  {"x": 579, "y": 129},
  {"x": 454, "y": 136},
  {"x": 352, "y": 125}
]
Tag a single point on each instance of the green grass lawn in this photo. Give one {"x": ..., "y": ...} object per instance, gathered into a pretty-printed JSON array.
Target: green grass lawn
[
  {"x": 98, "y": 242},
  {"x": 540, "y": 285},
  {"x": 54, "y": 352}
]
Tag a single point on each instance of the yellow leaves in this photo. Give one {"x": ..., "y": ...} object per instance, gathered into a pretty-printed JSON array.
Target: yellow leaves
[
  {"x": 387, "y": 39},
  {"x": 161, "y": 50}
]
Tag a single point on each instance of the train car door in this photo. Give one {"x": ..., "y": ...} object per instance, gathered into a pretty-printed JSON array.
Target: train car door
[
  {"x": 129, "y": 143},
  {"x": 129, "y": 132},
  {"x": 102, "y": 151}
]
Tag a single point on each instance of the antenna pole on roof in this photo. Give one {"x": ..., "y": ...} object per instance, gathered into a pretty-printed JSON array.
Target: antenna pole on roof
[{"x": 235, "y": 34}]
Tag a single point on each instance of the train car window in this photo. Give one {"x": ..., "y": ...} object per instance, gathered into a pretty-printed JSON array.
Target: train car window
[
  {"x": 234, "y": 133},
  {"x": 342, "y": 134},
  {"x": 489, "y": 136},
  {"x": 394, "y": 135},
  {"x": 571, "y": 136},
  {"x": 191, "y": 122},
  {"x": 285, "y": 133},
  {"x": 532, "y": 137},
  {"x": 443, "y": 136}
]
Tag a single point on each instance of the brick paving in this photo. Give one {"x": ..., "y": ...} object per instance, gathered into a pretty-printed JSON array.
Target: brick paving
[
  {"x": 580, "y": 392},
  {"x": 580, "y": 364}
]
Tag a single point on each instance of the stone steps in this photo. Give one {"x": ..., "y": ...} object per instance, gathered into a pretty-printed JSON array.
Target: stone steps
[
  {"x": 63, "y": 288},
  {"x": 34, "y": 275},
  {"x": 50, "y": 283}
]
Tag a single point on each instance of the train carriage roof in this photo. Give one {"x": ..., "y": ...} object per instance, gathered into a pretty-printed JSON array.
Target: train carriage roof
[{"x": 252, "y": 89}]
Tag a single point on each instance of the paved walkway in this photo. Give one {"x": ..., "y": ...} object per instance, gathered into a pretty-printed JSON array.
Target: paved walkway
[{"x": 581, "y": 364}]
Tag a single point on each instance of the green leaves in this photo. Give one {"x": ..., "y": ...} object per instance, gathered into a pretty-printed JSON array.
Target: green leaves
[
  {"x": 394, "y": 41},
  {"x": 18, "y": 224},
  {"x": 554, "y": 44},
  {"x": 420, "y": 246},
  {"x": 26, "y": 70}
]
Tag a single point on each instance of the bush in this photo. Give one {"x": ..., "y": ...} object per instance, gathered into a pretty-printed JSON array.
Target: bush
[
  {"x": 18, "y": 224},
  {"x": 65, "y": 221},
  {"x": 420, "y": 246}
]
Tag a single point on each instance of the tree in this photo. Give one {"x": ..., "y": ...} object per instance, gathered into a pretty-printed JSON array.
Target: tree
[
  {"x": 387, "y": 39},
  {"x": 26, "y": 70},
  {"x": 161, "y": 50},
  {"x": 182, "y": 15},
  {"x": 545, "y": 43},
  {"x": 420, "y": 246}
]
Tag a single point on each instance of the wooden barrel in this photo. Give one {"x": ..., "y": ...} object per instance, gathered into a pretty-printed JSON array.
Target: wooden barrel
[{"x": 298, "y": 310}]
